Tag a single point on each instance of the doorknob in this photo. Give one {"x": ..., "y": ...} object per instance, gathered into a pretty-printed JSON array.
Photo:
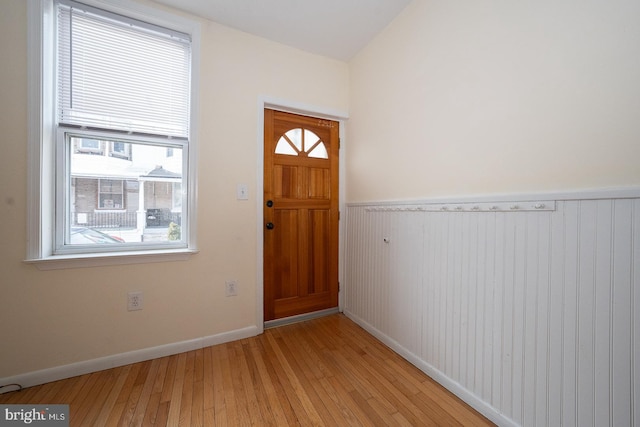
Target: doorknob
[
  {"x": 269, "y": 203},
  {"x": 269, "y": 226}
]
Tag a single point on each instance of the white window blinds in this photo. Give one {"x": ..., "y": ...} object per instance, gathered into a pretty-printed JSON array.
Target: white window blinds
[{"x": 116, "y": 73}]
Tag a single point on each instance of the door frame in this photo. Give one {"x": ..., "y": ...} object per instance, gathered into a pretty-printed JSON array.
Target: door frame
[{"x": 307, "y": 110}]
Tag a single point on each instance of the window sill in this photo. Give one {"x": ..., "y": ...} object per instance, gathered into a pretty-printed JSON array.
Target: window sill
[{"x": 59, "y": 262}]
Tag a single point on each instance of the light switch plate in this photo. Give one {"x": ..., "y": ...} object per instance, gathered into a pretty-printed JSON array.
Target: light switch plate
[{"x": 242, "y": 192}]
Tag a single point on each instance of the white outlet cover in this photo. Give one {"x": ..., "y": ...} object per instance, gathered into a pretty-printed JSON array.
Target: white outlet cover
[
  {"x": 230, "y": 288},
  {"x": 134, "y": 301}
]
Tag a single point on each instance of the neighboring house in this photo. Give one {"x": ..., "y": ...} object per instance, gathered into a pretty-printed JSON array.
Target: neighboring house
[{"x": 118, "y": 185}]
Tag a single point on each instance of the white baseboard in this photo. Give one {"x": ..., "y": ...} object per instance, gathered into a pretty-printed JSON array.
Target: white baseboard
[
  {"x": 43, "y": 376},
  {"x": 454, "y": 387}
]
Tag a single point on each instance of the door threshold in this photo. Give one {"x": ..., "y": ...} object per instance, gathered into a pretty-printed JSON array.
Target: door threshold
[{"x": 300, "y": 318}]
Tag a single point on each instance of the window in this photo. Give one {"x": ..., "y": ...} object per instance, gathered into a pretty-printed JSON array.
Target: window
[
  {"x": 119, "y": 83},
  {"x": 121, "y": 150},
  {"x": 89, "y": 146},
  {"x": 300, "y": 141},
  {"x": 110, "y": 194}
]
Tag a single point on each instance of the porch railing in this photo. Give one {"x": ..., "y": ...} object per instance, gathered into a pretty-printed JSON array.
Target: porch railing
[
  {"x": 154, "y": 218},
  {"x": 105, "y": 219}
]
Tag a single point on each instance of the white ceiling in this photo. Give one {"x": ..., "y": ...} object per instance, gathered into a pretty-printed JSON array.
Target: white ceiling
[{"x": 333, "y": 28}]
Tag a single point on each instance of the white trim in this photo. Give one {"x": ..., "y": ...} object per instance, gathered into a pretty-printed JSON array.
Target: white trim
[
  {"x": 260, "y": 216},
  {"x": 88, "y": 366},
  {"x": 59, "y": 262},
  {"x": 579, "y": 194},
  {"x": 342, "y": 191},
  {"x": 301, "y": 108},
  {"x": 40, "y": 17},
  {"x": 191, "y": 208},
  {"x": 454, "y": 387},
  {"x": 34, "y": 128},
  {"x": 511, "y": 206},
  {"x": 297, "y": 108}
]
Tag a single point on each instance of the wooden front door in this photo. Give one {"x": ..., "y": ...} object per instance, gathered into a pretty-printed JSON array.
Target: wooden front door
[{"x": 300, "y": 214}]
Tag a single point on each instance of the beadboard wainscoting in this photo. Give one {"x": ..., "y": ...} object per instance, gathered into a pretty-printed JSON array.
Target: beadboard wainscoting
[{"x": 530, "y": 312}]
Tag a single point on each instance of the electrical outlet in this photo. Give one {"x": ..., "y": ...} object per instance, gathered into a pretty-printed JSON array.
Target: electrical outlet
[
  {"x": 134, "y": 301},
  {"x": 231, "y": 288}
]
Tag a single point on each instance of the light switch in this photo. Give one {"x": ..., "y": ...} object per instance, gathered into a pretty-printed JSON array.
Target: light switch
[{"x": 242, "y": 192}]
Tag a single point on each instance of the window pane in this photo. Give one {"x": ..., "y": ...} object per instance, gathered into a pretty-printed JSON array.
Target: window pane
[
  {"x": 310, "y": 140},
  {"x": 121, "y": 149},
  {"x": 284, "y": 147},
  {"x": 295, "y": 136},
  {"x": 90, "y": 144},
  {"x": 320, "y": 152},
  {"x": 124, "y": 200}
]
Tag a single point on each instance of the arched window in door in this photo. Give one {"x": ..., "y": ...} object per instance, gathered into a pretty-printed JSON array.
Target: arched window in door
[{"x": 302, "y": 142}]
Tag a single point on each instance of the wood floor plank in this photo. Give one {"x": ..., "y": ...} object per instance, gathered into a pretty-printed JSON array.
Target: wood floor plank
[
  {"x": 230, "y": 409},
  {"x": 308, "y": 381},
  {"x": 397, "y": 398},
  {"x": 197, "y": 400},
  {"x": 162, "y": 414},
  {"x": 173, "y": 415},
  {"x": 277, "y": 412},
  {"x": 452, "y": 404},
  {"x": 289, "y": 403},
  {"x": 145, "y": 394},
  {"x": 363, "y": 404},
  {"x": 322, "y": 372},
  {"x": 123, "y": 396},
  {"x": 219, "y": 404},
  {"x": 318, "y": 372},
  {"x": 255, "y": 381},
  {"x": 110, "y": 400},
  {"x": 151, "y": 412},
  {"x": 46, "y": 394},
  {"x": 167, "y": 386},
  {"x": 102, "y": 389},
  {"x": 247, "y": 403},
  {"x": 352, "y": 414},
  {"x": 289, "y": 399},
  {"x": 136, "y": 391},
  {"x": 86, "y": 395},
  {"x": 208, "y": 398},
  {"x": 315, "y": 354},
  {"x": 187, "y": 390},
  {"x": 310, "y": 411}
]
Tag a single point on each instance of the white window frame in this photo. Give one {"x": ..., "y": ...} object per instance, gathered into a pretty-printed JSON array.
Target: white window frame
[{"x": 42, "y": 170}]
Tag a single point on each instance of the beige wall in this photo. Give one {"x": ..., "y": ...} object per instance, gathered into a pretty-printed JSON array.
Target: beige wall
[
  {"x": 462, "y": 98},
  {"x": 52, "y": 318}
]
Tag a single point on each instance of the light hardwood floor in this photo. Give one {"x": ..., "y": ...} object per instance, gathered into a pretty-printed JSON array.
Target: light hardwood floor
[{"x": 325, "y": 371}]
